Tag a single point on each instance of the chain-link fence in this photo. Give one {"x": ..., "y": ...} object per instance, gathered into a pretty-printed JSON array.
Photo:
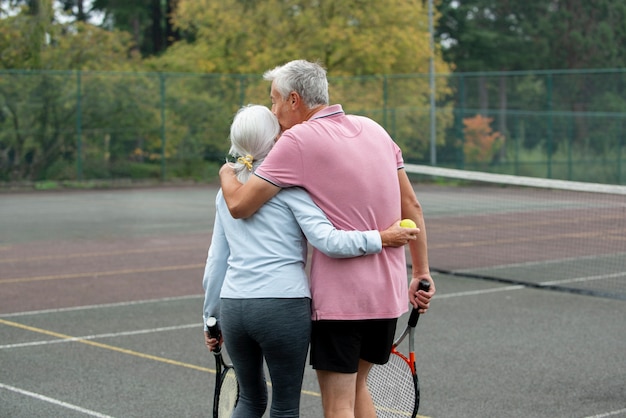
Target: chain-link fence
[{"x": 62, "y": 125}]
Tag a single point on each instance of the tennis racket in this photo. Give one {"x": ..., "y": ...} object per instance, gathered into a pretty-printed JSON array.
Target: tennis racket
[
  {"x": 226, "y": 386},
  {"x": 394, "y": 386}
]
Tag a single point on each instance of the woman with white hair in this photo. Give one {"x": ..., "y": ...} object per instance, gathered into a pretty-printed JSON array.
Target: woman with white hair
[{"x": 255, "y": 280}]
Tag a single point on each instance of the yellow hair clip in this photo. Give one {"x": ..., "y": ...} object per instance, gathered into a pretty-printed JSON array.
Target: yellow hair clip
[{"x": 247, "y": 161}]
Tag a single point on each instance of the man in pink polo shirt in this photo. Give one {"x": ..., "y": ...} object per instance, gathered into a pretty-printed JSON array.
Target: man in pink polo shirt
[{"x": 353, "y": 171}]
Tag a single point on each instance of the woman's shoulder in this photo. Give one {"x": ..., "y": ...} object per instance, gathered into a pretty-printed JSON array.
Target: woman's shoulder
[{"x": 294, "y": 194}]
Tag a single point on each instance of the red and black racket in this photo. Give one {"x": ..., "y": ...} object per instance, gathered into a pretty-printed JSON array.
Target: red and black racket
[
  {"x": 394, "y": 386},
  {"x": 226, "y": 386}
]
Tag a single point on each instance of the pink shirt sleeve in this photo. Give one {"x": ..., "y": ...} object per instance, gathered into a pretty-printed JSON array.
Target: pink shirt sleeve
[{"x": 283, "y": 166}]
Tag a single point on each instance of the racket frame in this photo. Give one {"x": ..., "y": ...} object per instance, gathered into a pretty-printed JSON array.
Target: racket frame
[
  {"x": 221, "y": 367},
  {"x": 410, "y": 360}
]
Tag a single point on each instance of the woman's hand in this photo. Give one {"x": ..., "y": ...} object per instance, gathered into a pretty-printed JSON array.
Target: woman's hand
[{"x": 210, "y": 342}]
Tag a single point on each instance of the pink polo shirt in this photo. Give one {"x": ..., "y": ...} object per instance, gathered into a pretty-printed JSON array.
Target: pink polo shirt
[{"x": 349, "y": 165}]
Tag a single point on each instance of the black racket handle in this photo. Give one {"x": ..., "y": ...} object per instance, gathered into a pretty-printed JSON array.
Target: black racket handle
[
  {"x": 214, "y": 331},
  {"x": 415, "y": 315}
]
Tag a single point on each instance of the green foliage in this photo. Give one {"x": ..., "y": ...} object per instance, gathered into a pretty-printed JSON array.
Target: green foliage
[
  {"x": 47, "y": 185},
  {"x": 135, "y": 170},
  {"x": 355, "y": 37},
  {"x": 495, "y": 35},
  {"x": 197, "y": 170},
  {"x": 78, "y": 103},
  {"x": 102, "y": 123},
  {"x": 81, "y": 46},
  {"x": 584, "y": 34},
  {"x": 60, "y": 170},
  {"x": 576, "y": 164},
  {"x": 15, "y": 42},
  {"x": 148, "y": 22}
]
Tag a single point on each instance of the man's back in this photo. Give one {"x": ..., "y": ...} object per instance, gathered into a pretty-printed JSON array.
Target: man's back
[{"x": 349, "y": 166}]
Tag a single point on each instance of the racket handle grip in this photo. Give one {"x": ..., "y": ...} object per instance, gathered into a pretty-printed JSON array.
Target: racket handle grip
[
  {"x": 415, "y": 315},
  {"x": 214, "y": 332},
  {"x": 214, "y": 329}
]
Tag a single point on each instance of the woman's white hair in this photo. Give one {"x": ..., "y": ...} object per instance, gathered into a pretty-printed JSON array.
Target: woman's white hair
[
  {"x": 308, "y": 79},
  {"x": 252, "y": 133}
]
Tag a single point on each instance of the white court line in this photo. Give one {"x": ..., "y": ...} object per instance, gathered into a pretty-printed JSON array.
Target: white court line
[
  {"x": 172, "y": 328},
  {"x": 140, "y": 302},
  {"x": 169, "y": 299},
  {"x": 608, "y": 414},
  {"x": 585, "y": 279},
  {"x": 54, "y": 401},
  {"x": 104, "y": 305},
  {"x": 99, "y": 336},
  {"x": 557, "y": 261},
  {"x": 555, "y": 282},
  {"x": 92, "y": 413},
  {"x": 479, "y": 292}
]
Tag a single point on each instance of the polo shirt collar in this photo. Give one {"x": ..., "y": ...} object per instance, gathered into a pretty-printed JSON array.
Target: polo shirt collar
[{"x": 328, "y": 111}]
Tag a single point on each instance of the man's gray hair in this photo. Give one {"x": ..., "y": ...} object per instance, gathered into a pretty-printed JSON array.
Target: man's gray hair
[{"x": 308, "y": 79}]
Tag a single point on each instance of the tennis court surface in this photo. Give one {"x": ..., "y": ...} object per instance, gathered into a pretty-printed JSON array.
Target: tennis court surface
[{"x": 101, "y": 299}]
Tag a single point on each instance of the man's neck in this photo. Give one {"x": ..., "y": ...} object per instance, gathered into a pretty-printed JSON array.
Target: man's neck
[{"x": 309, "y": 114}]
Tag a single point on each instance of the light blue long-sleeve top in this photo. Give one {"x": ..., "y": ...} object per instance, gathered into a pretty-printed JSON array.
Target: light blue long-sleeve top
[{"x": 265, "y": 255}]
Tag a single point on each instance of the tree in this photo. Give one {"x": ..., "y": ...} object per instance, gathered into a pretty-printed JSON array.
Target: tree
[
  {"x": 490, "y": 35},
  {"x": 15, "y": 37},
  {"x": 481, "y": 143},
  {"x": 581, "y": 34},
  {"x": 76, "y": 8},
  {"x": 356, "y": 37},
  {"x": 367, "y": 38},
  {"x": 510, "y": 35},
  {"x": 149, "y": 22},
  {"x": 39, "y": 109}
]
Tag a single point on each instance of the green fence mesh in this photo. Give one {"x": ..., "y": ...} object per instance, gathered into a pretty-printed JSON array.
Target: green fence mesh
[{"x": 57, "y": 125}]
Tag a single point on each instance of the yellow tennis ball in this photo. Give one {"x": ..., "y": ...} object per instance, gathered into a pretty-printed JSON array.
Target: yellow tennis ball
[{"x": 408, "y": 223}]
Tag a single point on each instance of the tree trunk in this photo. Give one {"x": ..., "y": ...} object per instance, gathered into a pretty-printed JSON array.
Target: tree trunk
[
  {"x": 157, "y": 27},
  {"x": 81, "y": 16},
  {"x": 136, "y": 25},
  {"x": 171, "y": 35}
]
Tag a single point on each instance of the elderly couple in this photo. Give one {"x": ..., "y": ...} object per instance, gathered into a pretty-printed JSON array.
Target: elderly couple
[{"x": 343, "y": 189}]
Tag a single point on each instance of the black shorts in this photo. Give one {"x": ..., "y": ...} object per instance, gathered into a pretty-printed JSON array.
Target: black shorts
[{"x": 337, "y": 346}]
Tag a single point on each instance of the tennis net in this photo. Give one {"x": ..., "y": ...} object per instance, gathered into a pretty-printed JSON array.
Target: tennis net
[{"x": 542, "y": 233}]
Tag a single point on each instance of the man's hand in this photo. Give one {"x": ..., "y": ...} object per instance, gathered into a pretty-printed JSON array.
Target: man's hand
[
  {"x": 397, "y": 236},
  {"x": 421, "y": 298},
  {"x": 227, "y": 170},
  {"x": 244, "y": 199}
]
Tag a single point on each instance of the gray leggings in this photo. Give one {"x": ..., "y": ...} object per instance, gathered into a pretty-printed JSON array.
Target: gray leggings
[{"x": 278, "y": 330}]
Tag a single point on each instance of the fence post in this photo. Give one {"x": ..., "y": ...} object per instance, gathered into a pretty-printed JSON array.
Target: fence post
[
  {"x": 549, "y": 134},
  {"x": 570, "y": 143},
  {"x": 431, "y": 77},
  {"x": 620, "y": 144},
  {"x": 385, "y": 102},
  {"x": 163, "y": 136},
  {"x": 79, "y": 144},
  {"x": 521, "y": 134},
  {"x": 242, "y": 90},
  {"x": 459, "y": 112}
]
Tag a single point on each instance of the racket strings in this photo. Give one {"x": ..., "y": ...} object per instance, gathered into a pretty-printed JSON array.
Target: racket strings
[
  {"x": 392, "y": 388},
  {"x": 229, "y": 392}
]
